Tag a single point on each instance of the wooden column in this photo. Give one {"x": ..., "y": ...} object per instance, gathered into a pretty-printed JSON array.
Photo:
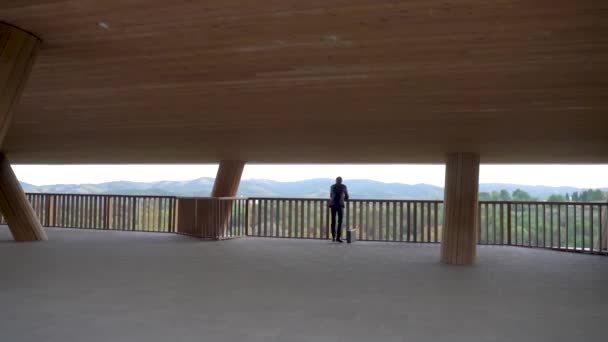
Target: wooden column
[
  {"x": 228, "y": 178},
  {"x": 15, "y": 207},
  {"x": 459, "y": 240},
  {"x": 604, "y": 219},
  {"x": 226, "y": 184},
  {"x": 17, "y": 53}
]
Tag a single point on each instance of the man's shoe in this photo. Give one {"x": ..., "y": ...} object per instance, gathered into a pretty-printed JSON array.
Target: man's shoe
[
  {"x": 339, "y": 240},
  {"x": 333, "y": 239}
]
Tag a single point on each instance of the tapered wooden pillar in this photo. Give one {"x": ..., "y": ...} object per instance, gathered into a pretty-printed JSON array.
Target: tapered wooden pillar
[
  {"x": 17, "y": 53},
  {"x": 459, "y": 239},
  {"x": 228, "y": 178},
  {"x": 226, "y": 184},
  {"x": 15, "y": 207}
]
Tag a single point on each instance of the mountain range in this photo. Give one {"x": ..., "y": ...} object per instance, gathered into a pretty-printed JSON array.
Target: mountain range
[{"x": 312, "y": 188}]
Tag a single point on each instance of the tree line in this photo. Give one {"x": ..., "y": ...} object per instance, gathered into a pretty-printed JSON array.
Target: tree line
[{"x": 590, "y": 195}]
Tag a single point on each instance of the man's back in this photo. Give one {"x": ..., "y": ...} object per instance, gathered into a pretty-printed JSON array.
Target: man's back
[{"x": 338, "y": 194}]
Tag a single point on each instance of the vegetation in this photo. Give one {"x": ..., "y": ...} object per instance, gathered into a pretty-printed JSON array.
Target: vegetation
[{"x": 519, "y": 195}]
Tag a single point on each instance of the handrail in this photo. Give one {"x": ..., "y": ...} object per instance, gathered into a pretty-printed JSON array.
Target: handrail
[
  {"x": 309, "y": 198},
  {"x": 101, "y": 195},
  {"x": 352, "y": 199},
  {"x": 108, "y": 212},
  {"x": 409, "y": 200}
]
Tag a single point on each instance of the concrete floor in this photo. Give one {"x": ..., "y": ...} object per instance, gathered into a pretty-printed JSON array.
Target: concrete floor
[{"x": 121, "y": 286}]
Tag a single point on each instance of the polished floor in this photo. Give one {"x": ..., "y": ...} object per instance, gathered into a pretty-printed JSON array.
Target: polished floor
[{"x": 122, "y": 286}]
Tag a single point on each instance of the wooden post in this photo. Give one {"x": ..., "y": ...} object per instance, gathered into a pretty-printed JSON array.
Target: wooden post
[
  {"x": 228, "y": 178},
  {"x": 17, "y": 53},
  {"x": 16, "y": 209},
  {"x": 604, "y": 228},
  {"x": 50, "y": 210},
  {"x": 226, "y": 184},
  {"x": 458, "y": 245}
]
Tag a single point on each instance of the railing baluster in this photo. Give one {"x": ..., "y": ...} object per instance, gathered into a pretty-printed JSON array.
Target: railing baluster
[
  {"x": 591, "y": 228},
  {"x": 567, "y": 227},
  {"x": 415, "y": 221},
  {"x": 280, "y": 218},
  {"x": 487, "y": 224},
  {"x": 63, "y": 211},
  {"x": 394, "y": 226},
  {"x": 502, "y": 223},
  {"x": 435, "y": 213},
  {"x": 479, "y": 221},
  {"x": 387, "y": 230},
  {"x": 551, "y": 225},
  {"x": 159, "y": 215},
  {"x": 308, "y": 227},
  {"x": 529, "y": 227},
  {"x": 319, "y": 209},
  {"x": 291, "y": 218},
  {"x": 255, "y": 217},
  {"x": 326, "y": 211},
  {"x": 409, "y": 221},
  {"x": 354, "y": 215},
  {"x": 583, "y": 227},
  {"x": 277, "y": 218},
  {"x": 374, "y": 220},
  {"x": 601, "y": 227},
  {"x": 364, "y": 223},
  {"x": 303, "y": 230},
  {"x": 265, "y": 218},
  {"x": 520, "y": 226},
  {"x": 575, "y": 225},
  {"x": 76, "y": 202},
  {"x": 381, "y": 220},
  {"x": 536, "y": 224},
  {"x": 271, "y": 206},
  {"x": 559, "y": 226},
  {"x": 494, "y": 224}
]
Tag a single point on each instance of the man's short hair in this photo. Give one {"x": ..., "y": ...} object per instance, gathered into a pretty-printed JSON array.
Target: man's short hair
[{"x": 339, "y": 180}]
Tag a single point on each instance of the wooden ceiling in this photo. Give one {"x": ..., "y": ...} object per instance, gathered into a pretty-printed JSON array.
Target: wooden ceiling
[{"x": 295, "y": 81}]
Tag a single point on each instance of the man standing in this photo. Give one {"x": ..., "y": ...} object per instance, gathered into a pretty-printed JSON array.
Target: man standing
[{"x": 337, "y": 195}]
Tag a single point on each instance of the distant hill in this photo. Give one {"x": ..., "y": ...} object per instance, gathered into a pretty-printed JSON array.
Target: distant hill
[{"x": 312, "y": 188}]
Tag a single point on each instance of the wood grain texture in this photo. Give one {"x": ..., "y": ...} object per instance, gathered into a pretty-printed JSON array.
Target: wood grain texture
[
  {"x": 228, "y": 178},
  {"x": 16, "y": 209},
  {"x": 209, "y": 218},
  {"x": 273, "y": 81},
  {"x": 226, "y": 184},
  {"x": 186, "y": 217},
  {"x": 458, "y": 244},
  {"x": 17, "y": 53}
]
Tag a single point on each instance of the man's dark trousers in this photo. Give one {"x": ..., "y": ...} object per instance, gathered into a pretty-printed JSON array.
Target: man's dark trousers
[{"x": 340, "y": 211}]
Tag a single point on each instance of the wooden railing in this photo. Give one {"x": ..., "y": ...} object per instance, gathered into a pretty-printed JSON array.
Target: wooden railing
[
  {"x": 375, "y": 220},
  {"x": 212, "y": 218},
  {"x": 581, "y": 227},
  {"x": 557, "y": 225},
  {"x": 110, "y": 212}
]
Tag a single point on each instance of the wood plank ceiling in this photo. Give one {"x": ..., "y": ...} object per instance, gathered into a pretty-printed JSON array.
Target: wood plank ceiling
[{"x": 313, "y": 81}]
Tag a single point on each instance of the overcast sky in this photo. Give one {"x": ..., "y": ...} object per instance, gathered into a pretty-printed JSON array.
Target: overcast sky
[{"x": 582, "y": 176}]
